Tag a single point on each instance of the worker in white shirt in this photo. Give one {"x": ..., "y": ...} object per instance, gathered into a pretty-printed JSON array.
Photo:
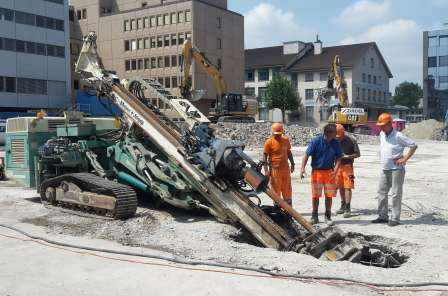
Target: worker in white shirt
[{"x": 393, "y": 162}]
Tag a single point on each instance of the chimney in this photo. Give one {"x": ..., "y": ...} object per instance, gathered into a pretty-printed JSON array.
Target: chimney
[{"x": 317, "y": 46}]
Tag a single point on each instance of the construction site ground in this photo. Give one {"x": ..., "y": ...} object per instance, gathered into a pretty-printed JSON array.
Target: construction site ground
[{"x": 31, "y": 268}]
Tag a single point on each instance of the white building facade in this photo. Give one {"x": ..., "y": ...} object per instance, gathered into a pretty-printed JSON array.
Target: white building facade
[
  {"x": 307, "y": 66},
  {"x": 34, "y": 56}
]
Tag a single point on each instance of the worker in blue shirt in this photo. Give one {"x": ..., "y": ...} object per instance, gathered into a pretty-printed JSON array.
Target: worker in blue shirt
[{"x": 326, "y": 153}]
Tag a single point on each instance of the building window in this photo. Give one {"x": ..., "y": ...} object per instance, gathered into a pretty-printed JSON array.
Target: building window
[
  {"x": 159, "y": 41},
  {"x": 153, "y": 63},
  {"x": 127, "y": 45},
  {"x": 294, "y": 80},
  {"x": 357, "y": 93},
  {"x": 433, "y": 41},
  {"x": 167, "y": 61},
  {"x": 25, "y": 18},
  {"x": 263, "y": 75},
  {"x": 249, "y": 91},
  {"x": 250, "y": 75},
  {"x": 173, "y": 18},
  {"x": 372, "y": 63},
  {"x": 363, "y": 94},
  {"x": 219, "y": 43},
  {"x": 309, "y": 77},
  {"x": 168, "y": 82},
  {"x": 262, "y": 92},
  {"x": 71, "y": 15},
  {"x": 160, "y": 62},
  {"x": 173, "y": 60},
  {"x": 219, "y": 22},
  {"x": 10, "y": 84},
  {"x": 363, "y": 61},
  {"x": 181, "y": 38},
  {"x": 153, "y": 42},
  {"x": 309, "y": 113},
  {"x": 323, "y": 76},
  {"x": 139, "y": 24},
  {"x": 369, "y": 95},
  {"x": 141, "y": 44},
  {"x": 133, "y": 25},
  {"x": 188, "y": 35},
  {"x": 147, "y": 64},
  {"x": 369, "y": 78},
  {"x": 41, "y": 49},
  {"x": 374, "y": 79},
  {"x": 20, "y": 46},
  {"x": 133, "y": 64},
  {"x": 147, "y": 44},
  {"x": 31, "y": 86},
  {"x": 146, "y": 22},
  {"x": 153, "y": 21},
  {"x": 160, "y": 20},
  {"x": 174, "y": 82},
  {"x": 219, "y": 64},
  {"x": 134, "y": 44},
  {"x": 443, "y": 61},
  {"x": 443, "y": 40},
  {"x": 309, "y": 94},
  {"x": 126, "y": 25},
  {"x": 160, "y": 79},
  {"x": 180, "y": 17},
  {"x": 140, "y": 64},
  {"x": 84, "y": 14},
  {"x": 363, "y": 77},
  {"x": 187, "y": 16},
  {"x": 173, "y": 39},
  {"x": 166, "y": 40},
  {"x": 443, "y": 79},
  {"x": 166, "y": 19}
]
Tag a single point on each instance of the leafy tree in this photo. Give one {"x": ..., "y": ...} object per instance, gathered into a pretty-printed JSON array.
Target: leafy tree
[
  {"x": 281, "y": 94},
  {"x": 407, "y": 94}
]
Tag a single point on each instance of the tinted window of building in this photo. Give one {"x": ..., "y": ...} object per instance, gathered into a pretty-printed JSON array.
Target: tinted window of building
[
  {"x": 250, "y": 75},
  {"x": 10, "y": 84},
  {"x": 263, "y": 75},
  {"x": 432, "y": 62},
  {"x": 249, "y": 91},
  {"x": 309, "y": 77},
  {"x": 323, "y": 76},
  {"x": 443, "y": 61},
  {"x": 309, "y": 94}
]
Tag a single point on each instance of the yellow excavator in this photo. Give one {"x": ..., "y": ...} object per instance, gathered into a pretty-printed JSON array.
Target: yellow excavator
[
  {"x": 229, "y": 107},
  {"x": 343, "y": 113}
]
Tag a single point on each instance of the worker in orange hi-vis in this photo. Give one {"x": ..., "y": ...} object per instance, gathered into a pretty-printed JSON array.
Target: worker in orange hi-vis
[
  {"x": 345, "y": 178},
  {"x": 277, "y": 152}
]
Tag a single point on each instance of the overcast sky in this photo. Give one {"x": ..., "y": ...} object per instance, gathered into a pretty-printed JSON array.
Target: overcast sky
[{"x": 395, "y": 25}]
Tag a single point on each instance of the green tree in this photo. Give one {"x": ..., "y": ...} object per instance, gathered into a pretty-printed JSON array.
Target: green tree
[
  {"x": 407, "y": 94},
  {"x": 281, "y": 94}
]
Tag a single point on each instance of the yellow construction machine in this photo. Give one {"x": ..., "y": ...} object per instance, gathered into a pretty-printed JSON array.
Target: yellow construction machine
[
  {"x": 229, "y": 107},
  {"x": 342, "y": 113}
]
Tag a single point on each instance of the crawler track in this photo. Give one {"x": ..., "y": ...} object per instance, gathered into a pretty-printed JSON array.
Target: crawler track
[{"x": 125, "y": 197}]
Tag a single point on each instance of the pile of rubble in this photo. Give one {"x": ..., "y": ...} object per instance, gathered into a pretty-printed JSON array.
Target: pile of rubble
[
  {"x": 427, "y": 130},
  {"x": 255, "y": 134}
]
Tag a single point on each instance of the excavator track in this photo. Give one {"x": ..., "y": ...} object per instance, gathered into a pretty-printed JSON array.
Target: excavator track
[{"x": 90, "y": 193}]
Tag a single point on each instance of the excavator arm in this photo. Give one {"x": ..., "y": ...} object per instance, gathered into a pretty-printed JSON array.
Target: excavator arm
[{"x": 191, "y": 53}]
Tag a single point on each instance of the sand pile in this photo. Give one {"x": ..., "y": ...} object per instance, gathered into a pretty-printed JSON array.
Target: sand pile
[{"x": 427, "y": 130}]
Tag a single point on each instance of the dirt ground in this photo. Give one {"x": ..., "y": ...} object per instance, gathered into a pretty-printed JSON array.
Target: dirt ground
[{"x": 422, "y": 238}]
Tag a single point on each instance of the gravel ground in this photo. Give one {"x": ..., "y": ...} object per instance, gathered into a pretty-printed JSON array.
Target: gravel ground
[{"x": 421, "y": 237}]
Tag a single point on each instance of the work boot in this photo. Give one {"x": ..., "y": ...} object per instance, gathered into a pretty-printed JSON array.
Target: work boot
[
  {"x": 380, "y": 220},
  {"x": 348, "y": 211},
  {"x": 328, "y": 220},
  {"x": 314, "y": 219},
  {"x": 342, "y": 209}
]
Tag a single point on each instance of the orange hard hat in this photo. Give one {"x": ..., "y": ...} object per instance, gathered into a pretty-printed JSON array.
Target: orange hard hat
[
  {"x": 277, "y": 128},
  {"x": 340, "y": 131},
  {"x": 384, "y": 119}
]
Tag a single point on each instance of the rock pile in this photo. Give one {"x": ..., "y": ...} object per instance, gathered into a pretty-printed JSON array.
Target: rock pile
[
  {"x": 427, "y": 130},
  {"x": 255, "y": 134}
]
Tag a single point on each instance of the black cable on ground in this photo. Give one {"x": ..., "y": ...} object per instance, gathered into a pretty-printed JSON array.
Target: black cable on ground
[{"x": 229, "y": 266}]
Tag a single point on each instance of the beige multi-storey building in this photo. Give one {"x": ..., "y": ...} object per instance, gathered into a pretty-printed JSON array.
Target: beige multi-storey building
[
  {"x": 144, "y": 38},
  {"x": 307, "y": 65}
]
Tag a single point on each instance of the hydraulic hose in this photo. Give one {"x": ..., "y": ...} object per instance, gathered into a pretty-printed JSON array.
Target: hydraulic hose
[{"x": 230, "y": 266}]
